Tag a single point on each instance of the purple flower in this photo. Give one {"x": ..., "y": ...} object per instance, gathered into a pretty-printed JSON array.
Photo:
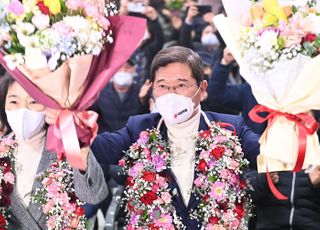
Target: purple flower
[
  {"x": 143, "y": 138},
  {"x": 16, "y": 7},
  {"x": 159, "y": 163}
]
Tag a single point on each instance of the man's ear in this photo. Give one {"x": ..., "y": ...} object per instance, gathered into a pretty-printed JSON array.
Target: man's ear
[{"x": 203, "y": 89}]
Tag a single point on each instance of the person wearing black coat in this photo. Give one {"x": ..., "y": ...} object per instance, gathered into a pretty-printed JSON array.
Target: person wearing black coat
[
  {"x": 301, "y": 211},
  {"x": 234, "y": 97}
]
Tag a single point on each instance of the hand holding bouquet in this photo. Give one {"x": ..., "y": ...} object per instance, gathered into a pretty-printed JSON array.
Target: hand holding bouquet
[{"x": 64, "y": 52}]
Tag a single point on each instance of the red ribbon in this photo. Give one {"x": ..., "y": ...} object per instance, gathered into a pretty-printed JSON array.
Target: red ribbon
[
  {"x": 65, "y": 128},
  {"x": 225, "y": 125},
  {"x": 307, "y": 125}
]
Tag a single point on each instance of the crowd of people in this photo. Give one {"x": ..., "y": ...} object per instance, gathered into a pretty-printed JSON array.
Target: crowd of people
[{"x": 181, "y": 42}]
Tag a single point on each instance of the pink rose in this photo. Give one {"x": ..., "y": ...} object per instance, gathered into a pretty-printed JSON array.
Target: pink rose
[
  {"x": 9, "y": 177},
  {"x": 166, "y": 197},
  {"x": 62, "y": 28},
  {"x": 233, "y": 164},
  {"x": 122, "y": 162},
  {"x": 224, "y": 174},
  {"x": 198, "y": 182},
  {"x": 91, "y": 10},
  {"x": 155, "y": 188},
  {"x": 103, "y": 22},
  {"x": 234, "y": 179},
  {"x": 74, "y": 4}
]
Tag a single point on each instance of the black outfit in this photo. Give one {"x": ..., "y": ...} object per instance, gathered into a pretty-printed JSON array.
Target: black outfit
[
  {"x": 114, "y": 112},
  {"x": 300, "y": 212}
]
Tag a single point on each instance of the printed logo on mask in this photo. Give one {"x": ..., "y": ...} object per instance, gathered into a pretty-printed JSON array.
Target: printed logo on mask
[{"x": 180, "y": 113}]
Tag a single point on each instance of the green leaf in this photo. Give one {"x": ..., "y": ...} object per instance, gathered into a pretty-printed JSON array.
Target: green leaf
[
  {"x": 281, "y": 42},
  {"x": 28, "y": 17},
  {"x": 64, "y": 8},
  {"x": 310, "y": 50},
  {"x": 294, "y": 9},
  {"x": 152, "y": 137},
  {"x": 212, "y": 178}
]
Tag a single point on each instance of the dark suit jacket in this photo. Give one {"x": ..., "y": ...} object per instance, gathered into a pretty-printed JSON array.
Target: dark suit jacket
[{"x": 108, "y": 149}]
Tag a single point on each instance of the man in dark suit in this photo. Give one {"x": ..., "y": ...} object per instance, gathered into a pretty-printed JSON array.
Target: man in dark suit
[{"x": 178, "y": 88}]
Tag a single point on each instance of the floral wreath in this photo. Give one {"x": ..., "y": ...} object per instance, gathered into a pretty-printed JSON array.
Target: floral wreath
[
  {"x": 7, "y": 151},
  {"x": 219, "y": 164},
  {"x": 60, "y": 204}
]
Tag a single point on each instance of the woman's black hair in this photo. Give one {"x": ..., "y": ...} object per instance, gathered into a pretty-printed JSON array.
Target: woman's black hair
[{"x": 5, "y": 82}]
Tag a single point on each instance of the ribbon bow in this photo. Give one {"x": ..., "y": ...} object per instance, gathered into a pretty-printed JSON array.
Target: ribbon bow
[
  {"x": 306, "y": 125},
  {"x": 70, "y": 128}
]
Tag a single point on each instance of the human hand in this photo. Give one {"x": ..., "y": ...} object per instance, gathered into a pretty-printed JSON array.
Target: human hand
[
  {"x": 144, "y": 90},
  {"x": 192, "y": 12},
  {"x": 208, "y": 17},
  {"x": 227, "y": 57},
  {"x": 274, "y": 177},
  {"x": 314, "y": 175},
  {"x": 123, "y": 10},
  {"x": 151, "y": 13},
  {"x": 51, "y": 115}
]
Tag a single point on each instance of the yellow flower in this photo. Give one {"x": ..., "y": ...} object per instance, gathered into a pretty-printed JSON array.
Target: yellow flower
[
  {"x": 273, "y": 13},
  {"x": 53, "y": 5}
]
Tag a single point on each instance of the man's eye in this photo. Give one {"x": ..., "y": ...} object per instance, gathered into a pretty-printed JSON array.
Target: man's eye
[{"x": 181, "y": 86}]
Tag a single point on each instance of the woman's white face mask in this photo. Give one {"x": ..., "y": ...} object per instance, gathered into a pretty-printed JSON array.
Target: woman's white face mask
[
  {"x": 175, "y": 108},
  {"x": 25, "y": 123}
]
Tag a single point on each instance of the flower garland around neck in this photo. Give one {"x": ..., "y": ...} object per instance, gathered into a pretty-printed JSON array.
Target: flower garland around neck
[
  {"x": 8, "y": 148},
  {"x": 60, "y": 204},
  {"x": 224, "y": 202}
]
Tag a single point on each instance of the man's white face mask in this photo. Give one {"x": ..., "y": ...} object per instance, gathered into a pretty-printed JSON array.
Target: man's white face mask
[
  {"x": 175, "y": 108},
  {"x": 123, "y": 79},
  {"x": 25, "y": 123}
]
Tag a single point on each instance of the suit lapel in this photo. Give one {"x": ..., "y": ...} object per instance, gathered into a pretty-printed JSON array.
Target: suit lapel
[{"x": 46, "y": 159}]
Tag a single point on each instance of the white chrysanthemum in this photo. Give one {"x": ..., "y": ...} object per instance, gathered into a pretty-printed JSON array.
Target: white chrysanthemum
[
  {"x": 13, "y": 60},
  {"x": 78, "y": 24},
  {"x": 28, "y": 41},
  {"x": 267, "y": 42},
  {"x": 34, "y": 58},
  {"x": 24, "y": 28}
]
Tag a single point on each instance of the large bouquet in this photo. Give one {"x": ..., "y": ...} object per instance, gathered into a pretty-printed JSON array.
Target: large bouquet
[
  {"x": 63, "y": 52},
  {"x": 277, "y": 47}
]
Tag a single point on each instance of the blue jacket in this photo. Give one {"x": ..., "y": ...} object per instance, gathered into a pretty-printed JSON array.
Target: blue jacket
[
  {"x": 108, "y": 149},
  {"x": 238, "y": 97}
]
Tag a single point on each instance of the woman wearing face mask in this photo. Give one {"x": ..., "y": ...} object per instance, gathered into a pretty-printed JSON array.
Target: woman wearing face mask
[{"x": 25, "y": 120}]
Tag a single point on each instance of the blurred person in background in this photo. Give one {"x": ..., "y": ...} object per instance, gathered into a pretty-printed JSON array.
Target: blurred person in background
[
  {"x": 153, "y": 40},
  {"x": 237, "y": 97},
  {"x": 121, "y": 98},
  {"x": 299, "y": 212}
]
